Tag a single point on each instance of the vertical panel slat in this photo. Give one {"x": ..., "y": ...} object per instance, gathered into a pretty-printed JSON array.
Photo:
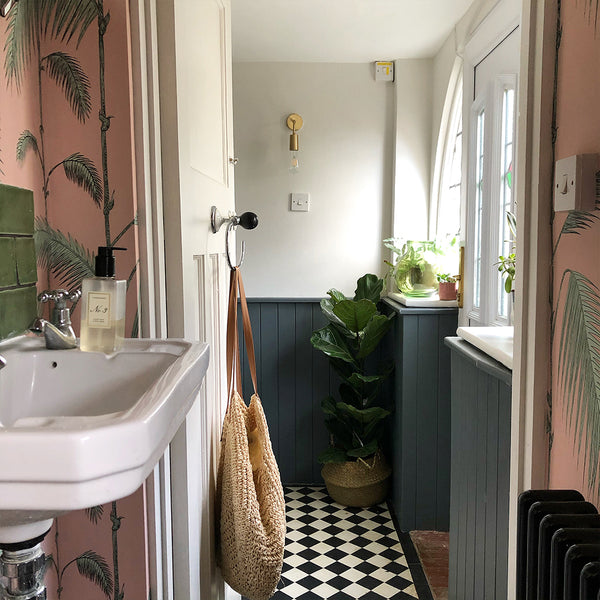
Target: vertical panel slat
[
  {"x": 456, "y": 392},
  {"x": 409, "y": 423},
  {"x": 268, "y": 390},
  {"x": 425, "y": 402},
  {"x": 492, "y": 490},
  {"x": 480, "y": 464},
  {"x": 320, "y": 389},
  {"x": 447, "y": 327},
  {"x": 504, "y": 412},
  {"x": 286, "y": 344},
  {"x": 304, "y": 393}
]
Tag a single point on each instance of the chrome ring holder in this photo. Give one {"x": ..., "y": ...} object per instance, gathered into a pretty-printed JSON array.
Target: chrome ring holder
[{"x": 247, "y": 220}]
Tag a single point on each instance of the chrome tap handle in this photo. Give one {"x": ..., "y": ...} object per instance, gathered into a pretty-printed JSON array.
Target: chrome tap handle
[{"x": 59, "y": 297}]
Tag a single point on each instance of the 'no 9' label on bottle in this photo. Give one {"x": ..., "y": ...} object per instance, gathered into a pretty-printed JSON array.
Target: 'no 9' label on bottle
[{"x": 98, "y": 310}]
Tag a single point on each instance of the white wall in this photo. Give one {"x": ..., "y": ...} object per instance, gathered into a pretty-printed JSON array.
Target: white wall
[
  {"x": 413, "y": 148},
  {"x": 346, "y": 164}
]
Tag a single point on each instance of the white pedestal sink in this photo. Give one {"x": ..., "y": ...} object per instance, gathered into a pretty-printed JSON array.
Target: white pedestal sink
[{"x": 79, "y": 429}]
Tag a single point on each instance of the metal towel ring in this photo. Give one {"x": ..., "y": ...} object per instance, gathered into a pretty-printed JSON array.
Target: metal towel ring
[
  {"x": 231, "y": 227},
  {"x": 247, "y": 220}
]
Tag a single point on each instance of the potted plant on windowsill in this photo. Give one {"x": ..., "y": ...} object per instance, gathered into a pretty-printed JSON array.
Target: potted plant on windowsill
[
  {"x": 446, "y": 286},
  {"x": 355, "y": 471}
]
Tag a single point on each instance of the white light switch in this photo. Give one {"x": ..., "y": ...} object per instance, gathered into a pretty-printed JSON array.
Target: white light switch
[
  {"x": 300, "y": 201},
  {"x": 575, "y": 183}
]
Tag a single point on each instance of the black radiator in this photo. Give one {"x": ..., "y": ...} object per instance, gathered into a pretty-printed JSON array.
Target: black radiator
[{"x": 558, "y": 546}]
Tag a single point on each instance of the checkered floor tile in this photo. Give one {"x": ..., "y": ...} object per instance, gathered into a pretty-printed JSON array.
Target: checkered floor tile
[{"x": 334, "y": 552}]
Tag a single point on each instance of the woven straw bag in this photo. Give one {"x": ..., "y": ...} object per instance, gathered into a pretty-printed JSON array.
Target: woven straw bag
[{"x": 250, "y": 503}]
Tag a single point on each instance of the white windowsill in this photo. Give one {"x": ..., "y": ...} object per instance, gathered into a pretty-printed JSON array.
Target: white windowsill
[{"x": 496, "y": 342}]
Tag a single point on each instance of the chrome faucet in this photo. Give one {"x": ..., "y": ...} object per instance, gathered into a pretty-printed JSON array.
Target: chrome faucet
[
  {"x": 58, "y": 332},
  {"x": 2, "y": 362}
]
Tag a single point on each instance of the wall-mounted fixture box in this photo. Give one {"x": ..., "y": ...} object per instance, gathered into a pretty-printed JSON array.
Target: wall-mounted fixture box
[
  {"x": 384, "y": 71},
  {"x": 300, "y": 202},
  {"x": 575, "y": 183}
]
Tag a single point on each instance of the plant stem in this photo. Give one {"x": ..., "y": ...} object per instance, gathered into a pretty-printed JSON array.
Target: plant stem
[
  {"x": 116, "y": 525},
  {"x": 103, "y": 21},
  {"x": 41, "y": 150}
]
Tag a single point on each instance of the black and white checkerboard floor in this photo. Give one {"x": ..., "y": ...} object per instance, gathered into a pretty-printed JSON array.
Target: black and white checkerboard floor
[{"x": 337, "y": 553}]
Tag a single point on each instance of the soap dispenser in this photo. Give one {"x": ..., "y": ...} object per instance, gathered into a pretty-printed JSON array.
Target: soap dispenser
[{"x": 103, "y": 306}]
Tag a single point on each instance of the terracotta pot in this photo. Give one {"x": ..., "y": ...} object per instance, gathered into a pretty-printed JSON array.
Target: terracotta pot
[
  {"x": 358, "y": 483},
  {"x": 447, "y": 290}
]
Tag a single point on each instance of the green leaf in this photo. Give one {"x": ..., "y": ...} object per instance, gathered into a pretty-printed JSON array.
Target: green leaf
[
  {"x": 355, "y": 315},
  {"x": 329, "y": 341},
  {"x": 93, "y": 567},
  {"x": 369, "y": 287},
  {"x": 364, "y": 451},
  {"x": 81, "y": 171},
  {"x": 341, "y": 367},
  {"x": 579, "y": 368},
  {"x": 94, "y": 513},
  {"x": 350, "y": 395},
  {"x": 332, "y": 455},
  {"x": 377, "y": 327},
  {"x": 363, "y": 415},
  {"x": 70, "y": 77},
  {"x": 341, "y": 431},
  {"x": 66, "y": 258},
  {"x": 26, "y": 141},
  {"x": 74, "y": 17},
  {"x": 578, "y": 221},
  {"x": 327, "y": 310},
  {"x": 336, "y": 296},
  {"x": 28, "y": 22},
  {"x": 328, "y": 406}
]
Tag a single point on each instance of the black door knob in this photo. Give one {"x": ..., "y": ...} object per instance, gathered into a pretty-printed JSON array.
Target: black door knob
[{"x": 248, "y": 220}]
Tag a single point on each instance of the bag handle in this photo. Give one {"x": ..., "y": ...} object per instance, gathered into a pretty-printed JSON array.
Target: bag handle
[{"x": 233, "y": 348}]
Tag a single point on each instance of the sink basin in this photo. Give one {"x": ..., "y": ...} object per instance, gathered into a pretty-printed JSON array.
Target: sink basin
[{"x": 79, "y": 429}]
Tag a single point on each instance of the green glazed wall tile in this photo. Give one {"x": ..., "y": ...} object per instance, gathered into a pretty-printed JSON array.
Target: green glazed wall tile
[
  {"x": 26, "y": 265},
  {"x": 18, "y": 309},
  {"x": 8, "y": 263},
  {"x": 16, "y": 210}
]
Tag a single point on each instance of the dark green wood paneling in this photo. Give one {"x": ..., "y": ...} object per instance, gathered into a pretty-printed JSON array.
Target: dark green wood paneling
[
  {"x": 292, "y": 380},
  {"x": 420, "y": 438},
  {"x": 479, "y": 499}
]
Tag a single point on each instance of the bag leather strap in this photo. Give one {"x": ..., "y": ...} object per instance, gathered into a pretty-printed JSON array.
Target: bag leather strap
[{"x": 234, "y": 377}]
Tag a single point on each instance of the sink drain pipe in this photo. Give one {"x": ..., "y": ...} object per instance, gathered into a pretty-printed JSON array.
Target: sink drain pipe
[{"x": 22, "y": 570}]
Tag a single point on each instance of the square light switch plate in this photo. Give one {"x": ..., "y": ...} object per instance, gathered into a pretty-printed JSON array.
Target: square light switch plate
[{"x": 300, "y": 201}]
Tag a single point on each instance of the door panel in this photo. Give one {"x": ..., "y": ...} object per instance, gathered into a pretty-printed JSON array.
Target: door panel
[{"x": 196, "y": 142}]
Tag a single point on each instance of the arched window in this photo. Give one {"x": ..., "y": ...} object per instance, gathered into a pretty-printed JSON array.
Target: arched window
[{"x": 446, "y": 198}]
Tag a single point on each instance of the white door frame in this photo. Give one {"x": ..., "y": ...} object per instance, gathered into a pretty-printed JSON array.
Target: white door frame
[
  {"x": 178, "y": 493},
  {"x": 531, "y": 356},
  {"x": 529, "y": 451}
]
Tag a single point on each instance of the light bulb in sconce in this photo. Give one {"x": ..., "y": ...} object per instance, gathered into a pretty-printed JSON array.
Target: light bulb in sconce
[
  {"x": 294, "y": 162},
  {"x": 294, "y": 122}
]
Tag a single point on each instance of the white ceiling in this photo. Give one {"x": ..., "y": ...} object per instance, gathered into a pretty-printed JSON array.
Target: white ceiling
[{"x": 341, "y": 30}]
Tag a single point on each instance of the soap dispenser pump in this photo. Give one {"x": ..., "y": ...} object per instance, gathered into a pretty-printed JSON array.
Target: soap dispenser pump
[{"x": 103, "y": 306}]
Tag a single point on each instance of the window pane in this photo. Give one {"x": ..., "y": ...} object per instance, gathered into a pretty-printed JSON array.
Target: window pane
[
  {"x": 478, "y": 210},
  {"x": 448, "y": 222},
  {"x": 506, "y": 242}
]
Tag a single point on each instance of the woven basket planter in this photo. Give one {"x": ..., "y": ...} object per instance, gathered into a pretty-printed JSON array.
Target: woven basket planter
[{"x": 358, "y": 483}]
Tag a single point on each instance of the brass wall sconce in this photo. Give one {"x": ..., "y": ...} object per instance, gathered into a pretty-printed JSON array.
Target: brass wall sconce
[{"x": 294, "y": 122}]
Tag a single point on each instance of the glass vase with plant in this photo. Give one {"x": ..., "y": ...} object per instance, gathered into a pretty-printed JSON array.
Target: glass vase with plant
[{"x": 414, "y": 269}]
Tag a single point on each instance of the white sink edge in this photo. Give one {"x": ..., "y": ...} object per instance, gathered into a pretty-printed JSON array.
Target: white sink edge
[{"x": 496, "y": 342}]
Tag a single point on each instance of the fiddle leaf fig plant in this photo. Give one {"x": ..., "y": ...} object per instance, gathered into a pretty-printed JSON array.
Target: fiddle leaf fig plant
[{"x": 355, "y": 329}]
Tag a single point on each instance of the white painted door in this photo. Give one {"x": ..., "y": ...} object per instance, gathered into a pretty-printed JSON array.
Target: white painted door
[
  {"x": 490, "y": 111},
  {"x": 183, "y": 107}
]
